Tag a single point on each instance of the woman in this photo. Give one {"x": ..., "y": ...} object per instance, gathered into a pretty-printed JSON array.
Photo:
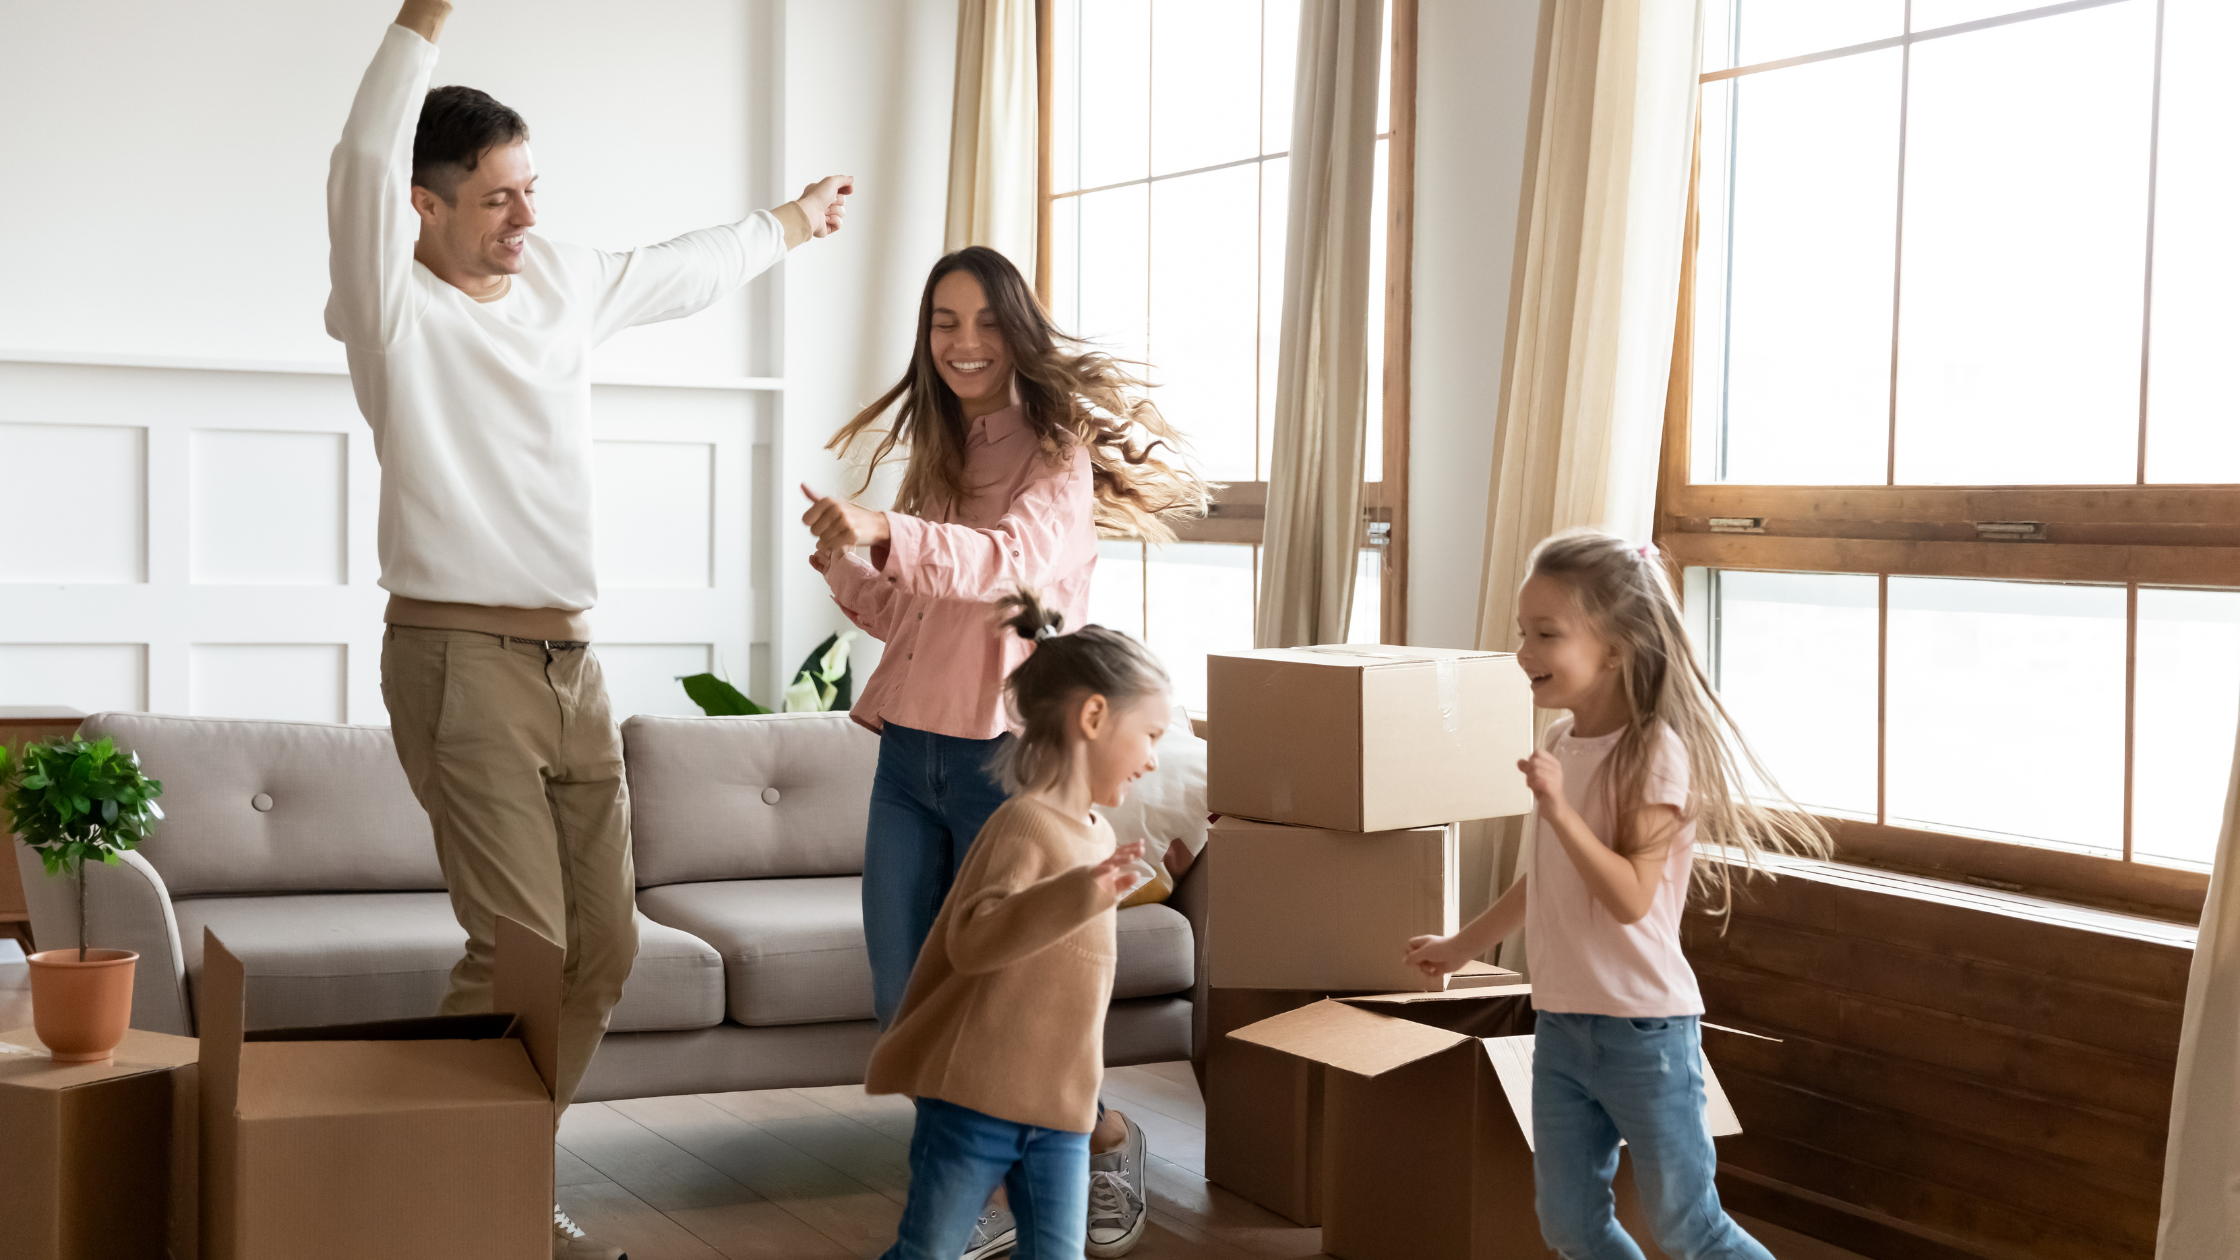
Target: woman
[{"x": 1022, "y": 448}]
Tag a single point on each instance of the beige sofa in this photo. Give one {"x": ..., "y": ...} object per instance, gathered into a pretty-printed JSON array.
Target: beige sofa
[{"x": 302, "y": 847}]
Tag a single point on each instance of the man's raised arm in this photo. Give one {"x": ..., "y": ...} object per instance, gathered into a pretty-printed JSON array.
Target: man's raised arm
[{"x": 371, "y": 226}]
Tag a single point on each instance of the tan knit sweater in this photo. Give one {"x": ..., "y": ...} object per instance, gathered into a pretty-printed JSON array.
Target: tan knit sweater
[{"x": 1005, "y": 1009}]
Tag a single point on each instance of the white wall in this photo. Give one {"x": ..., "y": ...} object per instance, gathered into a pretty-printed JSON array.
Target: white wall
[
  {"x": 867, "y": 93},
  {"x": 172, "y": 410},
  {"x": 1473, "y": 98}
]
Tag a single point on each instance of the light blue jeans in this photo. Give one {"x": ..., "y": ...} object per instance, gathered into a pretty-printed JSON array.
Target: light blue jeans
[
  {"x": 957, "y": 1155},
  {"x": 1595, "y": 1079},
  {"x": 929, "y": 799}
]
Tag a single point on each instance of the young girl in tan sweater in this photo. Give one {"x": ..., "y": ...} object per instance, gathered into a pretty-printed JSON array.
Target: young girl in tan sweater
[{"x": 1000, "y": 1036}]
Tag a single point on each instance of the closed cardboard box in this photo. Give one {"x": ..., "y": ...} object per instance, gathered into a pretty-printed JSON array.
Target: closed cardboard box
[
  {"x": 1366, "y": 737},
  {"x": 1427, "y": 1122},
  {"x": 420, "y": 1137},
  {"x": 1307, "y": 908},
  {"x": 97, "y": 1160}
]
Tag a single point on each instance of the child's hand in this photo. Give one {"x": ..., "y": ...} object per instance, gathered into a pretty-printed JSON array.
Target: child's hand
[
  {"x": 1435, "y": 956},
  {"x": 1117, "y": 875},
  {"x": 1544, "y": 775}
]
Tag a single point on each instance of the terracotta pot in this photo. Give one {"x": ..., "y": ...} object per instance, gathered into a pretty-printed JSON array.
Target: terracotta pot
[{"x": 81, "y": 1009}]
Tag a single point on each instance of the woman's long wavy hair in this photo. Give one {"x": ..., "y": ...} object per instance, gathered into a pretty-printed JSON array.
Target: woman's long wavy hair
[
  {"x": 1072, "y": 396},
  {"x": 1625, "y": 594}
]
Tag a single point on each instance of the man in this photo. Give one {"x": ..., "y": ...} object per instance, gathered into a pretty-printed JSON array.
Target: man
[{"x": 469, "y": 342}]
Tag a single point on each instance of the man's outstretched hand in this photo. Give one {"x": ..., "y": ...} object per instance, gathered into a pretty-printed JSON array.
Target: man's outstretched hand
[
  {"x": 826, "y": 201},
  {"x": 424, "y": 17}
]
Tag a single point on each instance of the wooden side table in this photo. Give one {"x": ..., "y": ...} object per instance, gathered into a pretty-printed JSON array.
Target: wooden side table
[{"x": 17, "y": 728}]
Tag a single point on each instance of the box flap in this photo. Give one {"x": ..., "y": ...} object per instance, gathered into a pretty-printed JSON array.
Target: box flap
[
  {"x": 218, "y": 1001},
  {"x": 1357, "y": 1041},
  {"x": 1512, "y": 1065},
  {"x": 530, "y": 973},
  {"x": 296, "y": 1079},
  {"x": 1481, "y": 975},
  {"x": 25, "y": 1063}
]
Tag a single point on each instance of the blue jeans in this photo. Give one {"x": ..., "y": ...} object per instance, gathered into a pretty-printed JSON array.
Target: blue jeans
[
  {"x": 928, "y": 800},
  {"x": 1596, "y": 1078},
  {"x": 957, "y": 1155}
]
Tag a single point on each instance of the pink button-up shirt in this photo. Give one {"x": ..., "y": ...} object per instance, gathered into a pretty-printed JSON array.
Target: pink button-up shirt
[{"x": 931, "y": 589}]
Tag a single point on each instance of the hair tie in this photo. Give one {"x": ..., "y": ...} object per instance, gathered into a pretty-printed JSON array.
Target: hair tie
[
  {"x": 1044, "y": 631},
  {"x": 1646, "y": 551}
]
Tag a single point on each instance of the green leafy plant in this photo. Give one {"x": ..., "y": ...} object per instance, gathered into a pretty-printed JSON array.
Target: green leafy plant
[
  {"x": 74, "y": 801},
  {"x": 825, "y": 683}
]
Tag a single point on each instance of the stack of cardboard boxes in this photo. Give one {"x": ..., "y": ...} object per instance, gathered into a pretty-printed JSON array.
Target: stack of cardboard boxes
[{"x": 1341, "y": 774}]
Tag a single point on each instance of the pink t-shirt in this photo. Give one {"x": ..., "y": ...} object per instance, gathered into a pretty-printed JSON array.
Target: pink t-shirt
[{"x": 1585, "y": 962}]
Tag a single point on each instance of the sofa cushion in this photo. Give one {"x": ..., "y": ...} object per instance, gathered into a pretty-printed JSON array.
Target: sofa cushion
[
  {"x": 346, "y": 957},
  {"x": 775, "y": 796},
  {"x": 793, "y": 950},
  {"x": 269, "y": 807},
  {"x": 1157, "y": 953}
]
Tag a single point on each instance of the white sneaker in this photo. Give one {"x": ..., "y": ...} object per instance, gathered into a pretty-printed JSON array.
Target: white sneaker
[
  {"x": 569, "y": 1242},
  {"x": 994, "y": 1234},
  {"x": 1118, "y": 1207}
]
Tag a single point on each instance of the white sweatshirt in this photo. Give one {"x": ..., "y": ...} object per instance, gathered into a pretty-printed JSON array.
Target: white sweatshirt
[{"x": 481, "y": 411}]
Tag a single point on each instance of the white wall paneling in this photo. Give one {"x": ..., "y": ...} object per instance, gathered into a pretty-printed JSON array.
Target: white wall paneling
[
  {"x": 642, "y": 677},
  {"x": 268, "y": 508},
  {"x": 80, "y": 517},
  {"x": 293, "y": 682},
  {"x": 656, "y": 515},
  {"x": 88, "y": 677}
]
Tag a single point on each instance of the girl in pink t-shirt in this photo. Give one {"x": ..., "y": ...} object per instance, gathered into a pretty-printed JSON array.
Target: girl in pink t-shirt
[{"x": 1646, "y": 763}]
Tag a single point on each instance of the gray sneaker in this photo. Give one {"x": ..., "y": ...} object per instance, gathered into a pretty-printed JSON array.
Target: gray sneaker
[
  {"x": 1118, "y": 1206},
  {"x": 994, "y": 1234}
]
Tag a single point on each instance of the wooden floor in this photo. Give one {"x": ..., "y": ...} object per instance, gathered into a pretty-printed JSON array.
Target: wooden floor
[
  {"x": 823, "y": 1172},
  {"x": 803, "y": 1174}
]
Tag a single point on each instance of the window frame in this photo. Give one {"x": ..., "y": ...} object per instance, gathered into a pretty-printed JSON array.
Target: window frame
[
  {"x": 2128, "y": 535},
  {"x": 1238, "y": 512}
]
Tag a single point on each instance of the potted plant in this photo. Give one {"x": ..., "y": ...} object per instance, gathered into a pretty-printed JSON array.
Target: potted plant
[{"x": 72, "y": 802}]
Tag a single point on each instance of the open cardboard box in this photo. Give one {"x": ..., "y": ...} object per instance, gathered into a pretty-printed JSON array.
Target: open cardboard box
[
  {"x": 1366, "y": 737},
  {"x": 417, "y": 1137},
  {"x": 1427, "y": 1123},
  {"x": 1307, "y": 908},
  {"x": 97, "y": 1160},
  {"x": 1264, "y": 1107}
]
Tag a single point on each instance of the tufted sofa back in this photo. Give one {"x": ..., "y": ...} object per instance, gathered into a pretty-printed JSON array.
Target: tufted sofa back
[
  {"x": 277, "y": 807},
  {"x": 781, "y": 795}
]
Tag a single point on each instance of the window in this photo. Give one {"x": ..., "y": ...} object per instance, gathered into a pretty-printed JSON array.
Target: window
[
  {"x": 1949, "y": 461},
  {"x": 1167, "y": 126}
]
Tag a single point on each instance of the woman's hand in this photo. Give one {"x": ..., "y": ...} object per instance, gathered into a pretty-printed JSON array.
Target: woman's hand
[
  {"x": 1117, "y": 875},
  {"x": 839, "y": 524},
  {"x": 1544, "y": 775},
  {"x": 1436, "y": 956}
]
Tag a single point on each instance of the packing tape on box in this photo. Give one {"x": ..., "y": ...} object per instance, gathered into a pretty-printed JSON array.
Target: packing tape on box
[{"x": 1449, "y": 669}]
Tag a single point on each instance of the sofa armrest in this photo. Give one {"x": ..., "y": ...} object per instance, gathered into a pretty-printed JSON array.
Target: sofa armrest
[
  {"x": 1189, "y": 897},
  {"x": 129, "y": 908}
]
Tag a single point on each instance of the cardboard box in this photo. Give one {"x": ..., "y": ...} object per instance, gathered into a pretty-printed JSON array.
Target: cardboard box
[
  {"x": 1306, "y": 908},
  {"x": 97, "y": 1160},
  {"x": 420, "y": 1137},
  {"x": 1366, "y": 737},
  {"x": 1427, "y": 1124}
]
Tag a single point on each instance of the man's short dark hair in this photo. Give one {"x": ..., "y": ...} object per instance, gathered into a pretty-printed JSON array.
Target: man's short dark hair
[{"x": 457, "y": 126}]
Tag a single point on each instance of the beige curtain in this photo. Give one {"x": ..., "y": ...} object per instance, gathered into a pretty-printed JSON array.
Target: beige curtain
[
  {"x": 2201, "y": 1166},
  {"x": 992, "y": 155},
  {"x": 1592, "y": 303},
  {"x": 1314, "y": 484}
]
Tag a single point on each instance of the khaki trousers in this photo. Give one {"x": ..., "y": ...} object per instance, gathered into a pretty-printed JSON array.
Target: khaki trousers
[{"x": 512, "y": 751}]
